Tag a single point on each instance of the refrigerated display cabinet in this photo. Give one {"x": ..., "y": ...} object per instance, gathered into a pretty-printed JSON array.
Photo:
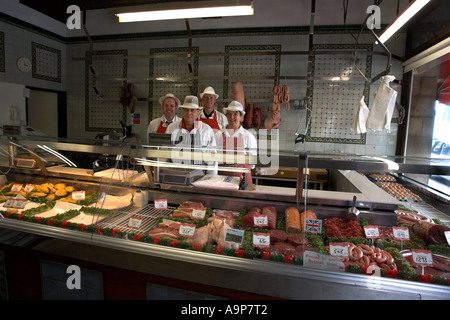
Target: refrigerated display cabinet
[{"x": 118, "y": 173}]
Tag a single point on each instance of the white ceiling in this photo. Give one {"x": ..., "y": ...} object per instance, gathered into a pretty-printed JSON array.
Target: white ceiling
[{"x": 267, "y": 13}]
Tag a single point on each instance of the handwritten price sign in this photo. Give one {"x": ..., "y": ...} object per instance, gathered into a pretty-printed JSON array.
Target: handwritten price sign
[
  {"x": 401, "y": 233},
  {"x": 187, "y": 230},
  {"x": 199, "y": 213},
  {"x": 260, "y": 220},
  {"x": 161, "y": 204},
  {"x": 371, "y": 232},
  {"x": 422, "y": 257},
  {"x": 338, "y": 249},
  {"x": 78, "y": 195},
  {"x": 135, "y": 222},
  {"x": 261, "y": 239}
]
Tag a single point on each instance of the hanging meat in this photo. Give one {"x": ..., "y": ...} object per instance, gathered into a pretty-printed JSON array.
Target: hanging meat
[
  {"x": 238, "y": 92},
  {"x": 285, "y": 97},
  {"x": 257, "y": 118},
  {"x": 273, "y": 119},
  {"x": 128, "y": 97},
  {"x": 248, "y": 118},
  {"x": 276, "y": 97}
]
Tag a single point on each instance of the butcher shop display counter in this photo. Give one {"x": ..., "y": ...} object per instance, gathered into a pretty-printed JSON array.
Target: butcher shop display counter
[{"x": 372, "y": 232}]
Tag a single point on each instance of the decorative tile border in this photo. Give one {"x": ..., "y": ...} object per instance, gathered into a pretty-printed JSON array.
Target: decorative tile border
[
  {"x": 171, "y": 68},
  {"x": 337, "y": 114},
  {"x": 272, "y": 69},
  {"x": 104, "y": 115},
  {"x": 46, "y": 62},
  {"x": 2, "y": 52}
]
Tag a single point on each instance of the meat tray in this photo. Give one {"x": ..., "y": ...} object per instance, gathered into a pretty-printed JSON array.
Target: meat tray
[{"x": 148, "y": 214}]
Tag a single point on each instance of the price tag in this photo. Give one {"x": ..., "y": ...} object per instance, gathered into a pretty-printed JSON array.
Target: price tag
[
  {"x": 198, "y": 213},
  {"x": 260, "y": 220},
  {"x": 135, "y": 222},
  {"x": 338, "y": 249},
  {"x": 28, "y": 188},
  {"x": 161, "y": 204},
  {"x": 447, "y": 236},
  {"x": 261, "y": 239},
  {"x": 234, "y": 235},
  {"x": 371, "y": 232},
  {"x": 14, "y": 203},
  {"x": 187, "y": 230},
  {"x": 78, "y": 195},
  {"x": 16, "y": 187},
  {"x": 401, "y": 233},
  {"x": 422, "y": 257}
]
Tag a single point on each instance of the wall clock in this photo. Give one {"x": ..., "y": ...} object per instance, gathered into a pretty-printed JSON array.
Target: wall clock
[{"x": 24, "y": 64}]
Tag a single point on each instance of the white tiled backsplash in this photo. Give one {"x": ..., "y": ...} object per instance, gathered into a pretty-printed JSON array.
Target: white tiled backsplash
[{"x": 294, "y": 121}]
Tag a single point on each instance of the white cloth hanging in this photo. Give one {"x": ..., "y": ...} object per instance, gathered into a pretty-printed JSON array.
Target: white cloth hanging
[
  {"x": 383, "y": 106},
  {"x": 359, "y": 122}
]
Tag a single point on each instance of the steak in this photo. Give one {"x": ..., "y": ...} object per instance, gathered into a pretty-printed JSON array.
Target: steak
[
  {"x": 297, "y": 239},
  {"x": 277, "y": 236}
]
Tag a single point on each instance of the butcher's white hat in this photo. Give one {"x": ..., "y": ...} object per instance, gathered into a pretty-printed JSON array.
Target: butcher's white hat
[
  {"x": 190, "y": 102},
  {"x": 169, "y": 95},
  {"x": 235, "y": 106},
  {"x": 209, "y": 90}
]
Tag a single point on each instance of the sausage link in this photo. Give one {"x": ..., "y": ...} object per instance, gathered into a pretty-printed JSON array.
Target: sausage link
[{"x": 366, "y": 249}]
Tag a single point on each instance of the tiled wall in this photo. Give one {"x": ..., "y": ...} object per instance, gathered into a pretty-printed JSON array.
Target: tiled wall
[
  {"x": 49, "y": 55},
  {"x": 73, "y": 75}
]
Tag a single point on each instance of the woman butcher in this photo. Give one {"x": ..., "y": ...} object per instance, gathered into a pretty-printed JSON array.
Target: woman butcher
[
  {"x": 235, "y": 139},
  {"x": 169, "y": 104},
  {"x": 209, "y": 115}
]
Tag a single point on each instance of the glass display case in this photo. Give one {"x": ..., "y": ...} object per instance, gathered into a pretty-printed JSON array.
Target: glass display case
[{"x": 321, "y": 226}]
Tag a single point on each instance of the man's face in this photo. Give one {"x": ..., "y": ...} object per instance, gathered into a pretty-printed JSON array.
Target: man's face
[
  {"x": 190, "y": 115},
  {"x": 234, "y": 119},
  {"x": 208, "y": 101},
  {"x": 169, "y": 108}
]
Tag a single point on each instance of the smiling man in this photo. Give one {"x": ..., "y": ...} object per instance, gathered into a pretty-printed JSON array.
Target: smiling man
[
  {"x": 169, "y": 104},
  {"x": 209, "y": 115},
  {"x": 191, "y": 134}
]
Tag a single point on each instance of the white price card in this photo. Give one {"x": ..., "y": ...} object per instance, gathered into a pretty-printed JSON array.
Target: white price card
[
  {"x": 78, "y": 195},
  {"x": 186, "y": 230},
  {"x": 371, "y": 232},
  {"x": 161, "y": 204},
  {"x": 338, "y": 249},
  {"x": 28, "y": 188},
  {"x": 234, "y": 235},
  {"x": 261, "y": 239},
  {"x": 447, "y": 236},
  {"x": 14, "y": 203},
  {"x": 422, "y": 257},
  {"x": 260, "y": 220},
  {"x": 135, "y": 222},
  {"x": 401, "y": 233},
  {"x": 16, "y": 187},
  {"x": 198, "y": 213}
]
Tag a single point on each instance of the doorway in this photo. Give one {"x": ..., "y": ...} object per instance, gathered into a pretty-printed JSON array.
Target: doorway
[{"x": 47, "y": 111}]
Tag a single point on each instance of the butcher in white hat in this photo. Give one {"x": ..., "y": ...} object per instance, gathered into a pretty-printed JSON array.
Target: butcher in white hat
[
  {"x": 209, "y": 115},
  {"x": 234, "y": 139},
  {"x": 189, "y": 132},
  {"x": 169, "y": 104}
]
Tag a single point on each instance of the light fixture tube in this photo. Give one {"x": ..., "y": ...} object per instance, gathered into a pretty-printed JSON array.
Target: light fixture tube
[
  {"x": 186, "y": 13},
  {"x": 404, "y": 17}
]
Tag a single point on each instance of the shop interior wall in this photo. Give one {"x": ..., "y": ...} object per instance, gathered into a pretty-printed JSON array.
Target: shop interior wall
[
  {"x": 18, "y": 42},
  {"x": 294, "y": 121}
]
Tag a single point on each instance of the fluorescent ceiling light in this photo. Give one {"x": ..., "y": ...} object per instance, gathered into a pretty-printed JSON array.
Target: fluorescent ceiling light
[
  {"x": 404, "y": 17},
  {"x": 184, "y": 10}
]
